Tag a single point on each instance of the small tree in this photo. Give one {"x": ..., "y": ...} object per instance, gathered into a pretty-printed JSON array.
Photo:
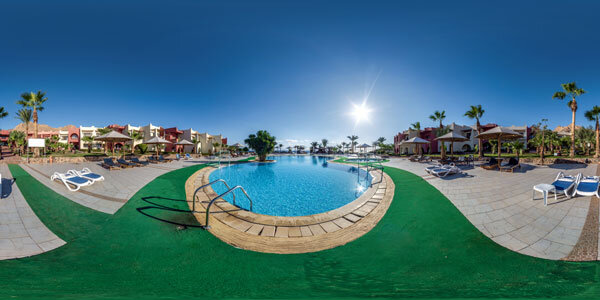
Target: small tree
[
  {"x": 88, "y": 140},
  {"x": 143, "y": 148},
  {"x": 262, "y": 143}
]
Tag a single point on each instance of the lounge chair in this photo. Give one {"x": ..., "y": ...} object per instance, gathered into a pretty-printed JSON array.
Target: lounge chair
[
  {"x": 125, "y": 164},
  {"x": 445, "y": 171},
  {"x": 490, "y": 165},
  {"x": 426, "y": 159},
  {"x": 438, "y": 166},
  {"x": 87, "y": 174},
  {"x": 72, "y": 182},
  {"x": 415, "y": 158},
  {"x": 163, "y": 159},
  {"x": 588, "y": 186},
  {"x": 512, "y": 164},
  {"x": 177, "y": 156},
  {"x": 108, "y": 163},
  {"x": 187, "y": 156},
  {"x": 138, "y": 162},
  {"x": 153, "y": 160},
  {"x": 566, "y": 184}
]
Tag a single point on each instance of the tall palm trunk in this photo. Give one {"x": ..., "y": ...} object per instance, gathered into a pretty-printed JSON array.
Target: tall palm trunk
[
  {"x": 480, "y": 143},
  {"x": 597, "y": 138},
  {"x": 573, "y": 110},
  {"x": 35, "y": 122}
]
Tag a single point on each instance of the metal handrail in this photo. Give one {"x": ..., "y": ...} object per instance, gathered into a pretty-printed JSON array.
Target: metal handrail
[
  {"x": 209, "y": 184},
  {"x": 206, "y": 226}
]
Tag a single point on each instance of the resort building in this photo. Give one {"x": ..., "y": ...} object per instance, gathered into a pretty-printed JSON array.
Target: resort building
[
  {"x": 4, "y": 137},
  {"x": 172, "y": 135},
  {"x": 205, "y": 141},
  {"x": 470, "y": 132},
  {"x": 149, "y": 131},
  {"x": 91, "y": 131}
]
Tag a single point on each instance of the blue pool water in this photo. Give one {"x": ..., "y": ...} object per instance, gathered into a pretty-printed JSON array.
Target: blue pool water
[{"x": 294, "y": 185}]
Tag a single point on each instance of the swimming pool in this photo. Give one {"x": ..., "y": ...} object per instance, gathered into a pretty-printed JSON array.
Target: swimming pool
[{"x": 293, "y": 185}]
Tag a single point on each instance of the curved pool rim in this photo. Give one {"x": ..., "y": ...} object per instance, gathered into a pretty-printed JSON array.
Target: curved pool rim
[{"x": 331, "y": 192}]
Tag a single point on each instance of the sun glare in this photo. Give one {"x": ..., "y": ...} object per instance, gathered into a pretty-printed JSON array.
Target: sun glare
[{"x": 361, "y": 112}]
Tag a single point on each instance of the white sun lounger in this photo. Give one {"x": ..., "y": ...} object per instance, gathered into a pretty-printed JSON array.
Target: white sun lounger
[
  {"x": 439, "y": 166},
  {"x": 444, "y": 171},
  {"x": 87, "y": 174},
  {"x": 70, "y": 180},
  {"x": 566, "y": 184},
  {"x": 588, "y": 186}
]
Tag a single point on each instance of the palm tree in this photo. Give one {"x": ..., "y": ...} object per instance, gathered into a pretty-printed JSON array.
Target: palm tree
[
  {"x": 88, "y": 140},
  {"x": 135, "y": 136},
  {"x": 314, "y": 145},
  {"x": 352, "y": 139},
  {"x": 379, "y": 142},
  {"x": 324, "y": 142},
  {"x": 517, "y": 147},
  {"x": 570, "y": 89},
  {"x": 594, "y": 116},
  {"x": 289, "y": 148},
  {"x": 3, "y": 113},
  {"x": 417, "y": 126},
  {"x": 17, "y": 138},
  {"x": 280, "y": 145},
  {"x": 34, "y": 101},
  {"x": 24, "y": 115},
  {"x": 476, "y": 112},
  {"x": 216, "y": 147},
  {"x": 440, "y": 116}
]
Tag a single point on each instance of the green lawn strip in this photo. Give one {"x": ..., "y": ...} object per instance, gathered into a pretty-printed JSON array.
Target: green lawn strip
[
  {"x": 423, "y": 247},
  {"x": 371, "y": 163}
]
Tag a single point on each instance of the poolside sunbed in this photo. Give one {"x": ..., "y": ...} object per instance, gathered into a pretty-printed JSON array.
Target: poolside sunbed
[
  {"x": 588, "y": 186},
  {"x": 512, "y": 164},
  {"x": 445, "y": 171},
  {"x": 566, "y": 184},
  {"x": 71, "y": 181},
  {"x": 138, "y": 162},
  {"x": 163, "y": 159},
  {"x": 187, "y": 156},
  {"x": 491, "y": 165},
  {"x": 125, "y": 164},
  {"x": 108, "y": 163},
  {"x": 153, "y": 160},
  {"x": 438, "y": 166},
  {"x": 87, "y": 174}
]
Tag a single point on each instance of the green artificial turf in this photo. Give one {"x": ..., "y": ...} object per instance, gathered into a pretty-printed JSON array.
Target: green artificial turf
[{"x": 423, "y": 247}]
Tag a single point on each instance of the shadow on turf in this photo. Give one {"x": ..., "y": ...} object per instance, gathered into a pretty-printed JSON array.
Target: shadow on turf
[{"x": 181, "y": 219}]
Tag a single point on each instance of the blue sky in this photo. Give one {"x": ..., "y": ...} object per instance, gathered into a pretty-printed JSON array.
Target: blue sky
[{"x": 294, "y": 68}]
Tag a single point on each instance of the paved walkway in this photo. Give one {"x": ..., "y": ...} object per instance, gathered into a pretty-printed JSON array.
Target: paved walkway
[
  {"x": 500, "y": 205},
  {"x": 110, "y": 195},
  {"x": 22, "y": 234}
]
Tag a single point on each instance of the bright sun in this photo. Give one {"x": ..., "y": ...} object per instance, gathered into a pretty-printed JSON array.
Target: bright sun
[{"x": 361, "y": 112}]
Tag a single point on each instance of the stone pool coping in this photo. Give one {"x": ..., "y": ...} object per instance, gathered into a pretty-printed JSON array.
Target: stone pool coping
[{"x": 286, "y": 235}]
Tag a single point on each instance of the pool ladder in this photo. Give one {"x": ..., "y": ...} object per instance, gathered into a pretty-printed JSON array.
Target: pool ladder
[{"x": 230, "y": 190}]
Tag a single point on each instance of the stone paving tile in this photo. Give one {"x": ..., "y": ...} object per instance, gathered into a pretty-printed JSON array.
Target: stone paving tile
[
  {"x": 22, "y": 233},
  {"x": 305, "y": 230},
  {"x": 294, "y": 232},
  {"x": 502, "y": 206},
  {"x": 282, "y": 232},
  {"x": 268, "y": 231},
  {"x": 316, "y": 229}
]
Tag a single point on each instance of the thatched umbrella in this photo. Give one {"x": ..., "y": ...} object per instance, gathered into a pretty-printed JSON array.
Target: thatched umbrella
[
  {"x": 500, "y": 134},
  {"x": 416, "y": 141},
  {"x": 451, "y": 137},
  {"x": 184, "y": 143},
  {"x": 238, "y": 145},
  {"x": 113, "y": 137},
  {"x": 364, "y": 146},
  {"x": 157, "y": 141}
]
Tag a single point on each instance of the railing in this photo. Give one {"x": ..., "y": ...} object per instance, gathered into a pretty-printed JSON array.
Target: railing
[
  {"x": 229, "y": 191},
  {"x": 209, "y": 184},
  {"x": 206, "y": 226}
]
